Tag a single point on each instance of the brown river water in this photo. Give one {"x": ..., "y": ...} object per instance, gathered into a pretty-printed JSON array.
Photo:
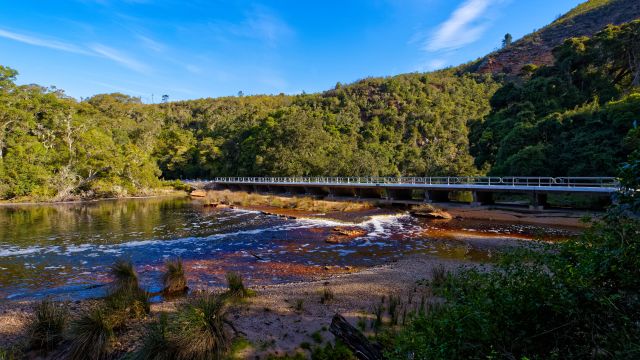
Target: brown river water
[{"x": 64, "y": 250}]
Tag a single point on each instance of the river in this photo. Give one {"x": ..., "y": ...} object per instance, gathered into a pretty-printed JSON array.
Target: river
[{"x": 64, "y": 250}]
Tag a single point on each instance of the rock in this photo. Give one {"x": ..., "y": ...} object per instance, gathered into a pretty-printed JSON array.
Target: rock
[
  {"x": 341, "y": 234},
  {"x": 198, "y": 193},
  {"x": 432, "y": 214}
]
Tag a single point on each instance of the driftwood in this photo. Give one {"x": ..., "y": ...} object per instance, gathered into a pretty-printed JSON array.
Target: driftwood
[{"x": 354, "y": 339}]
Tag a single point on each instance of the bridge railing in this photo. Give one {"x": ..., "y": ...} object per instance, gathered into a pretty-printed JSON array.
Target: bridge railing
[{"x": 597, "y": 182}]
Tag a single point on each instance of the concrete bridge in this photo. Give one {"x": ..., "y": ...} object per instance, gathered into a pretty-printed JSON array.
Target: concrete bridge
[{"x": 415, "y": 190}]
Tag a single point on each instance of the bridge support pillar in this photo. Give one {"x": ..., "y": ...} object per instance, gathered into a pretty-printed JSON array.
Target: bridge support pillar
[
  {"x": 436, "y": 196},
  {"x": 370, "y": 193},
  {"x": 400, "y": 194},
  {"x": 481, "y": 198},
  {"x": 246, "y": 188},
  {"x": 277, "y": 189},
  {"x": 316, "y": 191},
  {"x": 538, "y": 201},
  {"x": 296, "y": 190},
  {"x": 342, "y": 192}
]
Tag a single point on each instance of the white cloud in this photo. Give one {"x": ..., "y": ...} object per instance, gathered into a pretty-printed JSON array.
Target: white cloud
[
  {"x": 465, "y": 25},
  {"x": 120, "y": 58},
  {"x": 48, "y": 43}
]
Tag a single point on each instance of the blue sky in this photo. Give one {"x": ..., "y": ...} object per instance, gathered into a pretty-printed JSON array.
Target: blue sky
[{"x": 192, "y": 49}]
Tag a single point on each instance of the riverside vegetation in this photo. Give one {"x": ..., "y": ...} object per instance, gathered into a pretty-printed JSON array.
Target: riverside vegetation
[{"x": 569, "y": 300}]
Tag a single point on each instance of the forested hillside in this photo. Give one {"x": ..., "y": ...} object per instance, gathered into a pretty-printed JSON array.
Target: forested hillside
[
  {"x": 575, "y": 117},
  {"x": 410, "y": 124},
  {"x": 578, "y": 117}
]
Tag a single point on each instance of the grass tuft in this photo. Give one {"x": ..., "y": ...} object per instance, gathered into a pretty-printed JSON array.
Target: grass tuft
[
  {"x": 196, "y": 331},
  {"x": 438, "y": 275},
  {"x": 236, "y": 286},
  {"x": 91, "y": 335},
  {"x": 124, "y": 275},
  {"x": 326, "y": 296},
  {"x": 156, "y": 345},
  {"x": 174, "y": 279},
  {"x": 47, "y": 328}
]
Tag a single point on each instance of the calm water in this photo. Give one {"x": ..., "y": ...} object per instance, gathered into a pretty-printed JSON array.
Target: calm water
[{"x": 64, "y": 250}]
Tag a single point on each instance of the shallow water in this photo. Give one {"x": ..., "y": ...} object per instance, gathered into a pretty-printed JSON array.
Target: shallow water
[{"x": 64, "y": 250}]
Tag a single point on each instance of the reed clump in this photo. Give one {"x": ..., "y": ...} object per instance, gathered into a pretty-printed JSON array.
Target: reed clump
[
  {"x": 174, "y": 279},
  {"x": 195, "y": 331},
  {"x": 47, "y": 328},
  {"x": 236, "y": 287}
]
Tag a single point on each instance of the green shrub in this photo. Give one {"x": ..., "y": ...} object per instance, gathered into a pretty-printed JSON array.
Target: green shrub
[
  {"x": 91, "y": 335},
  {"x": 46, "y": 330},
  {"x": 579, "y": 299},
  {"x": 127, "y": 303},
  {"x": 338, "y": 351},
  {"x": 124, "y": 275},
  {"x": 195, "y": 331},
  {"x": 174, "y": 279},
  {"x": 10, "y": 354},
  {"x": 156, "y": 344}
]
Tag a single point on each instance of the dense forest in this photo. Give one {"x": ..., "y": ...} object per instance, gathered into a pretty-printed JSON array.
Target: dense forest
[
  {"x": 575, "y": 117},
  {"x": 578, "y": 117}
]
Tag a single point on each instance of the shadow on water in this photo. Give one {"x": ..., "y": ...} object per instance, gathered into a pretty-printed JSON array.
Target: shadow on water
[{"x": 64, "y": 250}]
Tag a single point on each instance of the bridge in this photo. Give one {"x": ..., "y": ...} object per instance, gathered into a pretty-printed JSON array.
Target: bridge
[{"x": 412, "y": 190}]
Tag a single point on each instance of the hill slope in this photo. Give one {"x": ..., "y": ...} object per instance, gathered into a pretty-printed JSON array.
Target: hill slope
[{"x": 536, "y": 48}]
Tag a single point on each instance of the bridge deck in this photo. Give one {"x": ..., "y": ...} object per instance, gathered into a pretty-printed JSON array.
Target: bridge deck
[{"x": 593, "y": 185}]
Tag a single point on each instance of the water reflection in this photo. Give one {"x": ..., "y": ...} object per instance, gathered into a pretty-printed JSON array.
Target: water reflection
[{"x": 65, "y": 249}]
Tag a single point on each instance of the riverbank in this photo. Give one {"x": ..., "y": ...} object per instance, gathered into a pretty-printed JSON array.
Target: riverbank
[
  {"x": 350, "y": 211},
  {"x": 155, "y": 194},
  {"x": 281, "y": 318}
]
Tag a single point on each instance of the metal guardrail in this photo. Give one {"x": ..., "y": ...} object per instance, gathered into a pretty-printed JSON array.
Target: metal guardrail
[{"x": 591, "y": 182}]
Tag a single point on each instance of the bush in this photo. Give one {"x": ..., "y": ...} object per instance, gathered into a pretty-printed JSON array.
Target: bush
[
  {"x": 579, "y": 299},
  {"x": 195, "y": 331},
  {"x": 91, "y": 336},
  {"x": 46, "y": 330},
  {"x": 338, "y": 351},
  {"x": 127, "y": 303},
  {"x": 174, "y": 279},
  {"x": 124, "y": 275},
  {"x": 156, "y": 345}
]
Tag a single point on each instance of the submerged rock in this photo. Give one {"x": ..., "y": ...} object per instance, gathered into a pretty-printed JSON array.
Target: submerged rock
[
  {"x": 430, "y": 212},
  {"x": 198, "y": 193},
  {"x": 342, "y": 234}
]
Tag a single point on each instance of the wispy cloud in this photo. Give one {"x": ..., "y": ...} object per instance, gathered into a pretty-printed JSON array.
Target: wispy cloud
[
  {"x": 260, "y": 24},
  {"x": 434, "y": 64},
  {"x": 465, "y": 25},
  {"x": 48, "y": 43},
  {"x": 120, "y": 58},
  {"x": 151, "y": 44},
  {"x": 98, "y": 50}
]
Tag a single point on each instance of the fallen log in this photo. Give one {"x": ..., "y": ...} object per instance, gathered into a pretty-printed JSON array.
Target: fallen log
[{"x": 362, "y": 348}]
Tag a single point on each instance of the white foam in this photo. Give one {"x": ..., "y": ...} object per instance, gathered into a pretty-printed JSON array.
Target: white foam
[{"x": 16, "y": 251}]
